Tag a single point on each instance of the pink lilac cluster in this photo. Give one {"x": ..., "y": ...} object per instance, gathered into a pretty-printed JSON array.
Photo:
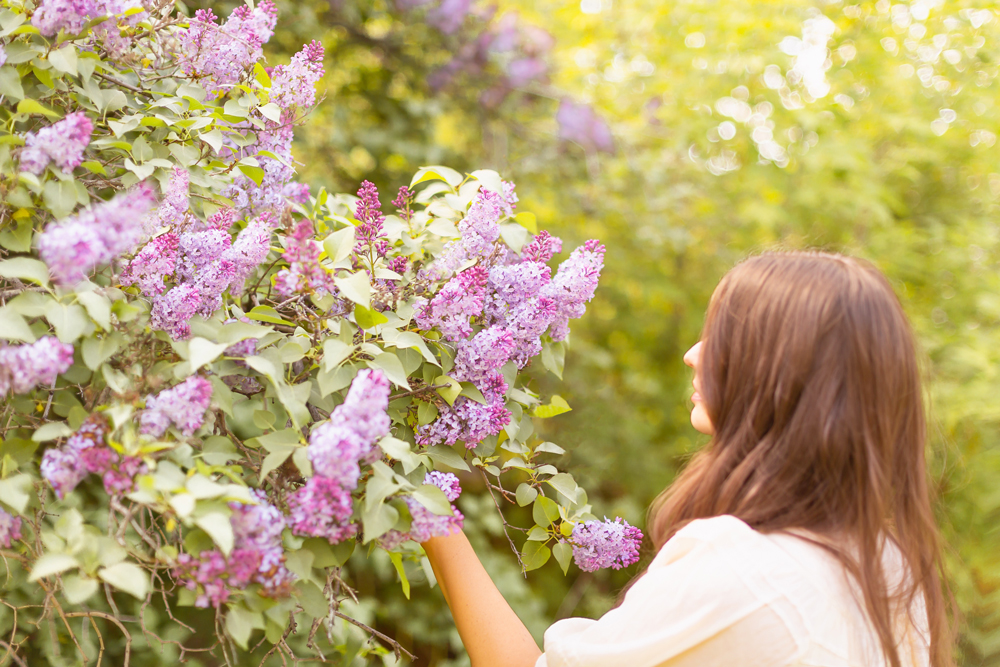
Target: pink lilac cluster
[
  {"x": 86, "y": 452},
  {"x": 10, "y": 528},
  {"x": 337, "y": 447},
  {"x": 220, "y": 56},
  {"x": 292, "y": 87},
  {"x": 404, "y": 203},
  {"x": 257, "y": 557},
  {"x": 62, "y": 142},
  {"x": 580, "y": 124},
  {"x": 72, "y": 16},
  {"x": 182, "y": 405},
  {"x": 368, "y": 212},
  {"x": 200, "y": 258},
  {"x": 304, "y": 272},
  {"x": 425, "y": 524},
  {"x": 294, "y": 84},
  {"x": 95, "y": 236},
  {"x": 512, "y": 301},
  {"x": 3, "y": 56},
  {"x": 24, "y": 367},
  {"x": 600, "y": 544}
]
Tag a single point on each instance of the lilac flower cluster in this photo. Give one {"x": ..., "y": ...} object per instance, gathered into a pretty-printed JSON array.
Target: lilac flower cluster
[
  {"x": 580, "y": 124},
  {"x": 403, "y": 203},
  {"x": 512, "y": 300},
  {"x": 86, "y": 452},
  {"x": 292, "y": 86},
  {"x": 95, "y": 236},
  {"x": 425, "y": 524},
  {"x": 201, "y": 260},
  {"x": 598, "y": 544},
  {"x": 24, "y": 367},
  {"x": 369, "y": 213},
  {"x": 72, "y": 16},
  {"x": 183, "y": 405},
  {"x": 304, "y": 272},
  {"x": 257, "y": 557},
  {"x": 337, "y": 447},
  {"x": 221, "y": 56},
  {"x": 62, "y": 142},
  {"x": 3, "y": 56},
  {"x": 10, "y": 528}
]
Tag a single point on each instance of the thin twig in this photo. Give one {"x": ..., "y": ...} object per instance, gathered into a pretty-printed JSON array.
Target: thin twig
[
  {"x": 109, "y": 617},
  {"x": 111, "y": 79},
  {"x": 503, "y": 519},
  {"x": 396, "y": 646}
]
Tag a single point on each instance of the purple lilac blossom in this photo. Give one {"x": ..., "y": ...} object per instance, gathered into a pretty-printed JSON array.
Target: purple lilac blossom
[
  {"x": 449, "y": 311},
  {"x": 480, "y": 229},
  {"x": 71, "y": 16},
  {"x": 65, "y": 467},
  {"x": 447, "y": 482},
  {"x": 369, "y": 213},
  {"x": 542, "y": 247},
  {"x": 152, "y": 265},
  {"x": 221, "y": 56},
  {"x": 183, "y": 405},
  {"x": 109, "y": 31},
  {"x": 335, "y": 452},
  {"x": 613, "y": 544},
  {"x": 427, "y": 524},
  {"x": 294, "y": 85},
  {"x": 573, "y": 286},
  {"x": 516, "y": 283},
  {"x": 172, "y": 310},
  {"x": 269, "y": 196},
  {"x": 96, "y": 235},
  {"x": 580, "y": 124},
  {"x": 509, "y": 198},
  {"x": 211, "y": 571},
  {"x": 304, "y": 272},
  {"x": 403, "y": 202},
  {"x": 448, "y": 15},
  {"x": 481, "y": 356},
  {"x": 172, "y": 211},
  {"x": 248, "y": 251},
  {"x": 466, "y": 421},
  {"x": 322, "y": 508},
  {"x": 10, "y": 528},
  {"x": 62, "y": 142},
  {"x": 24, "y": 367},
  {"x": 364, "y": 409},
  {"x": 3, "y": 56},
  {"x": 297, "y": 193}
]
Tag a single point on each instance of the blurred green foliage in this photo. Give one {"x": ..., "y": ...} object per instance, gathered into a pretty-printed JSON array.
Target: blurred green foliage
[{"x": 896, "y": 162}]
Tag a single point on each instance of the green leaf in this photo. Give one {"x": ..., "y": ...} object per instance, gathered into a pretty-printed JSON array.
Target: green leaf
[
  {"x": 526, "y": 494},
  {"x": 14, "y": 327},
  {"x": 94, "y": 167},
  {"x": 335, "y": 351},
  {"x": 564, "y": 555},
  {"x": 202, "y": 351},
  {"x": 64, "y": 59},
  {"x": 339, "y": 244},
  {"x": 29, "y": 106},
  {"x": 96, "y": 351},
  {"x": 367, "y": 318},
  {"x": 564, "y": 484},
  {"x": 544, "y": 511},
  {"x": 261, "y": 75},
  {"x": 267, "y": 314},
  {"x": 408, "y": 339},
  {"x": 445, "y": 456},
  {"x": 554, "y": 358},
  {"x": 390, "y": 364},
  {"x": 450, "y": 392},
  {"x": 15, "y": 492},
  {"x": 489, "y": 179},
  {"x": 378, "y": 519},
  {"x": 534, "y": 555},
  {"x": 450, "y": 176},
  {"x": 70, "y": 321},
  {"x": 274, "y": 460},
  {"x": 213, "y": 139},
  {"x": 49, "y": 564},
  {"x": 126, "y": 577},
  {"x": 218, "y": 527},
  {"x": 25, "y": 268},
  {"x": 433, "y": 498},
  {"x": 51, "y": 431},
  {"x": 356, "y": 287},
  {"x": 98, "y": 307},
  {"x": 527, "y": 220},
  {"x": 255, "y": 174},
  {"x": 556, "y": 406},
  {"x": 78, "y": 589},
  {"x": 240, "y": 624},
  {"x": 550, "y": 447},
  {"x": 10, "y": 83},
  {"x": 397, "y": 561}
]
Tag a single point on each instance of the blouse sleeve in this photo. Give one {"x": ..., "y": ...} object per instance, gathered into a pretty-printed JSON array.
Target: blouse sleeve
[{"x": 703, "y": 602}]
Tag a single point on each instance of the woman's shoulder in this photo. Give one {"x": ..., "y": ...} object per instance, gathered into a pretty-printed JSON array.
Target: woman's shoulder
[{"x": 718, "y": 533}]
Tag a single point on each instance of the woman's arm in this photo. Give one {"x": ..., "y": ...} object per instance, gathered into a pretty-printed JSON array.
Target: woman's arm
[{"x": 492, "y": 633}]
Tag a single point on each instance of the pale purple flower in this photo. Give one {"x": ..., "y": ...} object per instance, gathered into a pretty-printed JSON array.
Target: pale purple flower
[
  {"x": 542, "y": 247},
  {"x": 322, "y": 508},
  {"x": 427, "y": 524},
  {"x": 24, "y": 367},
  {"x": 482, "y": 355},
  {"x": 95, "y": 236},
  {"x": 369, "y": 213},
  {"x": 152, "y": 265},
  {"x": 71, "y": 16},
  {"x": 522, "y": 71},
  {"x": 296, "y": 192},
  {"x": 183, "y": 405},
  {"x": 210, "y": 571},
  {"x": 65, "y": 467},
  {"x": 466, "y": 421},
  {"x": 449, "y": 15},
  {"x": 447, "y": 482},
  {"x": 62, "y": 142},
  {"x": 221, "y": 56},
  {"x": 480, "y": 229},
  {"x": 3, "y": 56},
  {"x": 304, "y": 272},
  {"x": 248, "y": 252},
  {"x": 598, "y": 544},
  {"x": 294, "y": 85},
  {"x": 10, "y": 528},
  {"x": 580, "y": 124},
  {"x": 403, "y": 202},
  {"x": 335, "y": 452},
  {"x": 573, "y": 286},
  {"x": 269, "y": 196},
  {"x": 364, "y": 409},
  {"x": 109, "y": 31},
  {"x": 460, "y": 299},
  {"x": 509, "y": 198},
  {"x": 173, "y": 209},
  {"x": 515, "y": 283},
  {"x": 172, "y": 310}
]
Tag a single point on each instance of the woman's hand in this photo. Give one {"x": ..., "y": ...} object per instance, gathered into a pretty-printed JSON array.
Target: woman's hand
[{"x": 492, "y": 633}]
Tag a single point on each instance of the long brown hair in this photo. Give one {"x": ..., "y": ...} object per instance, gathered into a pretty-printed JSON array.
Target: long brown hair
[{"x": 809, "y": 374}]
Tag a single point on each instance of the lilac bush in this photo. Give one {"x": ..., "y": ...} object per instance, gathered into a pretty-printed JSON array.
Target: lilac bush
[{"x": 218, "y": 382}]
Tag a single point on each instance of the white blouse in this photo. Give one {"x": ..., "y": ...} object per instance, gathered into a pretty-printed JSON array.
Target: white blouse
[{"x": 720, "y": 594}]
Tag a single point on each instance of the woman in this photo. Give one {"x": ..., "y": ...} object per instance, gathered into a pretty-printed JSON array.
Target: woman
[{"x": 803, "y": 534}]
